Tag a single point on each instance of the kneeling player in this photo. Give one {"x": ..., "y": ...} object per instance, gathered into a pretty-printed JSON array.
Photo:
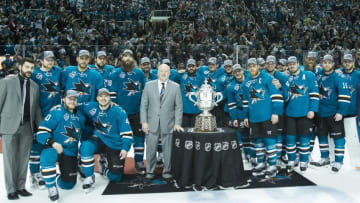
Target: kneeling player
[
  {"x": 112, "y": 136},
  {"x": 60, "y": 133}
]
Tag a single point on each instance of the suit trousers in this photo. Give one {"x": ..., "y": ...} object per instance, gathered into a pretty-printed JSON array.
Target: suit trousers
[
  {"x": 16, "y": 152},
  {"x": 151, "y": 149}
]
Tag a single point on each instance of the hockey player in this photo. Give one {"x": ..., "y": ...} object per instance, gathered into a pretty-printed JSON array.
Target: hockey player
[
  {"x": 211, "y": 73},
  {"x": 283, "y": 66},
  {"x": 261, "y": 63},
  {"x": 146, "y": 68},
  {"x": 237, "y": 115},
  {"x": 302, "y": 102},
  {"x": 82, "y": 79},
  {"x": 47, "y": 77},
  {"x": 262, "y": 104},
  {"x": 353, "y": 77},
  {"x": 127, "y": 83},
  {"x": 60, "y": 133},
  {"x": 279, "y": 80},
  {"x": 334, "y": 104},
  {"x": 223, "y": 81},
  {"x": 112, "y": 135},
  {"x": 189, "y": 82},
  {"x": 101, "y": 66}
]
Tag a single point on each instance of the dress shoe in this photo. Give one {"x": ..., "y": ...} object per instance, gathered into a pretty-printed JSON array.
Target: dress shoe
[
  {"x": 23, "y": 193},
  {"x": 13, "y": 196}
]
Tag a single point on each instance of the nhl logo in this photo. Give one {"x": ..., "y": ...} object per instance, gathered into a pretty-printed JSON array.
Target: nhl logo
[
  {"x": 184, "y": 77},
  {"x": 188, "y": 144},
  {"x": 66, "y": 117},
  {"x": 122, "y": 75},
  {"x": 234, "y": 144},
  {"x": 72, "y": 74},
  {"x": 92, "y": 112},
  {"x": 236, "y": 87},
  {"x": 207, "y": 147},
  {"x": 225, "y": 146},
  {"x": 217, "y": 147},
  {"x": 177, "y": 143},
  {"x": 109, "y": 82},
  {"x": 39, "y": 76},
  {"x": 206, "y": 72},
  {"x": 197, "y": 145}
]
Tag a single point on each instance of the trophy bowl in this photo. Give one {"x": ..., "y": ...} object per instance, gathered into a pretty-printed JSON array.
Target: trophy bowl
[{"x": 206, "y": 100}]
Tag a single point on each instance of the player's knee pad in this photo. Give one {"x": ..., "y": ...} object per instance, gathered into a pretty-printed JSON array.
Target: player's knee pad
[
  {"x": 114, "y": 177},
  {"x": 87, "y": 148},
  {"x": 116, "y": 165},
  {"x": 66, "y": 185},
  {"x": 68, "y": 167}
]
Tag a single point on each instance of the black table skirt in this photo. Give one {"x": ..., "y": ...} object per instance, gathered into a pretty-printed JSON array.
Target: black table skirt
[{"x": 207, "y": 159}]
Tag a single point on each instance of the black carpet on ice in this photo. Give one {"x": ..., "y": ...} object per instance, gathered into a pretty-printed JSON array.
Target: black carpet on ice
[{"x": 132, "y": 184}]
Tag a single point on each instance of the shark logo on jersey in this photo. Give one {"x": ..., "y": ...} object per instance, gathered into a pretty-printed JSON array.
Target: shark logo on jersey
[
  {"x": 297, "y": 91},
  {"x": 50, "y": 87},
  {"x": 324, "y": 92},
  {"x": 211, "y": 81},
  {"x": 240, "y": 96},
  {"x": 81, "y": 87},
  {"x": 71, "y": 133},
  {"x": 102, "y": 128},
  {"x": 189, "y": 88},
  {"x": 256, "y": 95},
  {"x": 132, "y": 87}
]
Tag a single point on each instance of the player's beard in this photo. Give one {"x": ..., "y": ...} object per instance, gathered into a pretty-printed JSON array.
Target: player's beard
[{"x": 128, "y": 65}]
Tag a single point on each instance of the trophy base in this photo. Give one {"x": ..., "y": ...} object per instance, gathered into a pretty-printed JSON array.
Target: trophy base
[{"x": 205, "y": 123}]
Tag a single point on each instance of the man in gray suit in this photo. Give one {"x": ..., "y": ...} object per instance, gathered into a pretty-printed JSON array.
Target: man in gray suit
[
  {"x": 20, "y": 115},
  {"x": 160, "y": 114}
]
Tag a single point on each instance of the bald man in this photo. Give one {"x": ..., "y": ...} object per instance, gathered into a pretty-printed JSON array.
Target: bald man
[{"x": 160, "y": 114}]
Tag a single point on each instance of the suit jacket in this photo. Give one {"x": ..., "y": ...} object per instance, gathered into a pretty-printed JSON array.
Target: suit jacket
[
  {"x": 10, "y": 105},
  {"x": 164, "y": 114}
]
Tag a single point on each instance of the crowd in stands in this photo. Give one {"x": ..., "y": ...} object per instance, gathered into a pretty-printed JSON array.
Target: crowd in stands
[{"x": 196, "y": 29}]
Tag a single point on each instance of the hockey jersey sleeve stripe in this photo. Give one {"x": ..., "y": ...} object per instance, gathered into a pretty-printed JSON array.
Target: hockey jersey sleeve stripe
[
  {"x": 344, "y": 97},
  {"x": 314, "y": 94},
  {"x": 126, "y": 133},
  {"x": 276, "y": 96},
  {"x": 245, "y": 102},
  {"x": 113, "y": 95},
  {"x": 42, "y": 128}
]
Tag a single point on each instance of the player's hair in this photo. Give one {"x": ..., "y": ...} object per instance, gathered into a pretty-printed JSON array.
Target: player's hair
[{"x": 26, "y": 59}]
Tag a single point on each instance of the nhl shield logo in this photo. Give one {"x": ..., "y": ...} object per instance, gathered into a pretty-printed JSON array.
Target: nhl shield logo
[
  {"x": 92, "y": 112},
  {"x": 217, "y": 147},
  {"x": 122, "y": 75},
  {"x": 225, "y": 146},
  {"x": 177, "y": 143},
  {"x": 66, "y": 117},
  {"x": 197, "y": 145},
  {"x": 234, "y": 144},
  {"x": 188, "y": 144},
  {"x": 72, "y": 74},
  {"x": 39, "y": 76},
  {"x": 109, "y": 82},
  {"x": 207, "y": 147}
]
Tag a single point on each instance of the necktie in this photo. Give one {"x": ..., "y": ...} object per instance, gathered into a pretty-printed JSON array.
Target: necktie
[
  {"x": 162, "y": 91},
  {"x": 23, "y": 99}
]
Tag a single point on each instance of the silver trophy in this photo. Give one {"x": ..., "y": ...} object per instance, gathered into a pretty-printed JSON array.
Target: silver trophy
[{"x": 206, "y": 100}]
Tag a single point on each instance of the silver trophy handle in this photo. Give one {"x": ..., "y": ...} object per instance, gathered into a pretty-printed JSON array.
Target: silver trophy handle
[
  {"x": 191, "y": 99},
  {"x": 219, "y": 97}
]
